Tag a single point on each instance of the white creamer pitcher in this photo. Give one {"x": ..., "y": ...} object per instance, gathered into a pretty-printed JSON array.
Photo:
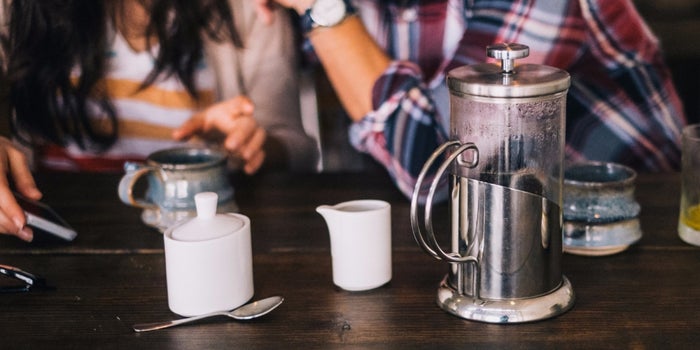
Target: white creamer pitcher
[{"x": 360, "y": 235}]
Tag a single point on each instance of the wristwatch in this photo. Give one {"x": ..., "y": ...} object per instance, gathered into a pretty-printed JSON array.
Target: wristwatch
[{"x": 326, "y": 13}]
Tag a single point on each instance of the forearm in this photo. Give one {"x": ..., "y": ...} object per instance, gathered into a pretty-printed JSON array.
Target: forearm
[{"x": 352, "y": 61}]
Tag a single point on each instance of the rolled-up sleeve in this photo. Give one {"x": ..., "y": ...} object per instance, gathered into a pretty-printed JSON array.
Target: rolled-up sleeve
[{"x": 403, "y": 129}]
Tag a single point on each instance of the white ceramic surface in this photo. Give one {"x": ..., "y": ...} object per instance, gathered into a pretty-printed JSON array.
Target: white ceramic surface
[
  {"x": 208, "y": 260},
  {"x": 360, "y": 235}
]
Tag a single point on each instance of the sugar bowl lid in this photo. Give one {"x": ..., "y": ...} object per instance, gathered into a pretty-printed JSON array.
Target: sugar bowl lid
[
  {"x": 507, "y": 80},
  {"x": 207, "y": 224}
]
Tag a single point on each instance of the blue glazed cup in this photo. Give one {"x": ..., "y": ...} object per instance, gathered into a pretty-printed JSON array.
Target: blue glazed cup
[
  {"x": 601, "y": 215},
  {"x": 174, "y": 176}
]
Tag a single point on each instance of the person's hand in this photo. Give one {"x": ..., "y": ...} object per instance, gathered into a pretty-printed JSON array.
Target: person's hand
[
  {"x": 231, "y": 124},
  {"x": 14, "y": 166}
]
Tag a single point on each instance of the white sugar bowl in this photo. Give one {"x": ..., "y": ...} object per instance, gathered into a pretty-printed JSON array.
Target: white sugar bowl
[{"x": 208, "y": 260}]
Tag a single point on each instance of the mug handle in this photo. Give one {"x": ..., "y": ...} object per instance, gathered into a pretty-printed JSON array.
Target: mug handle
[
  {"x": 134, "y": 171},
  {"x": 431, "y": 245}
]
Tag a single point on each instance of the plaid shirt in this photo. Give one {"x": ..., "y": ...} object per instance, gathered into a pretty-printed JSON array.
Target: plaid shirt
[{"x": 621, "y": 106}]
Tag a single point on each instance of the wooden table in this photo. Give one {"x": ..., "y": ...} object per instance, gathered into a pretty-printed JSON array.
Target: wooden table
[{"x": 113, "y": 275}]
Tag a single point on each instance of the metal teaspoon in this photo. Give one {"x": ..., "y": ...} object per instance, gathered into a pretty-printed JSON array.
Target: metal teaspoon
[{"x": 245, "y": 312}]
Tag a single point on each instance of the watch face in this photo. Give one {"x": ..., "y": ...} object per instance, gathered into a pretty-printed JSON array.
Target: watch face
[{"x": 328, "y": 13}]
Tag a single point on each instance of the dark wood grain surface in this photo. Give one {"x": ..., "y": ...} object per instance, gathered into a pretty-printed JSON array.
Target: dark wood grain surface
[{"x": 113, "y": 275}]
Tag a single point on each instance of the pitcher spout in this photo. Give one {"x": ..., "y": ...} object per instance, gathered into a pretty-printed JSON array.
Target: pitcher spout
[{"x": 326, "y": 211}]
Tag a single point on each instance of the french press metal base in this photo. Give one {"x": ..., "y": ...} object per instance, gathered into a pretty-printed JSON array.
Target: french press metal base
[{"x": 508, "y": 310}]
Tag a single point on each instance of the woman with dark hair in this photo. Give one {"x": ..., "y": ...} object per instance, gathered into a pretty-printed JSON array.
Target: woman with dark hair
[
  {"x": 387, "y": 61},
  {"x": 93, "y": 84}
]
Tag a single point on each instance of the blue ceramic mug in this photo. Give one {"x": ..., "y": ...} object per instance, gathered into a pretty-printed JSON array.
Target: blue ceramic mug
[{"x": 173, "y": 178}]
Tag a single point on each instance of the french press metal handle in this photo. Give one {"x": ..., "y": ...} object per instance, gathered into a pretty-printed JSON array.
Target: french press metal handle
[{"x": 430, "y": 243}]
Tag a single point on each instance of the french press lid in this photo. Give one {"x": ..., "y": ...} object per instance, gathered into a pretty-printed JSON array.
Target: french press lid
[{"x": 507, "y": 80}]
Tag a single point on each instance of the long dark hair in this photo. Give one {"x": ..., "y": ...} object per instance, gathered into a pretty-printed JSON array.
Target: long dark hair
[{"x": 49, "y": 38}]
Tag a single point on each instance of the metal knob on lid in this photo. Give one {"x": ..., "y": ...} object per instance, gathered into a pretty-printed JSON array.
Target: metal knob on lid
[{"x": 507, "y": 53}]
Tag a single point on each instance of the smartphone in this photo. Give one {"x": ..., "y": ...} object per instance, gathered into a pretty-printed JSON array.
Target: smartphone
[{"x": 43, "y": 219}]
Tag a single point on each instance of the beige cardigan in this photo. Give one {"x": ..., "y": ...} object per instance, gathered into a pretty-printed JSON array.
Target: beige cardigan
[{"x": 265, "y": 70}]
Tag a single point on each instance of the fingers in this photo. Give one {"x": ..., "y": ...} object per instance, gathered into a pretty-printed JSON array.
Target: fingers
[
  {"x": 248, "y": 144},
  {"x": 12, "y": 217},
  {"x": 218, "y": 117},
  {"x": 22, "y": 176},
  {"x": 230, "y": 122},
  {"x": 188, "y": 129},
  {"x": 7, "y": 226},
  {"x": 244, "y": 136},
  {"x": 254, "y": 163}
]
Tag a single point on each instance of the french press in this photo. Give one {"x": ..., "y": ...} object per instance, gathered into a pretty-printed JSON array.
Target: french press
[{"x": 505, "y": 163}]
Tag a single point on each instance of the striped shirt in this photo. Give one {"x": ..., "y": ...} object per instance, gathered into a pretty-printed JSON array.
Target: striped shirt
[
  {"x": 146, "y": 117},
  {"x": 621, "y": 106}
]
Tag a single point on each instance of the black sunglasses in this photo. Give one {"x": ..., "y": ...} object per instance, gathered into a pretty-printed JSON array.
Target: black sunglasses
[{"x": 27, "y": 280}]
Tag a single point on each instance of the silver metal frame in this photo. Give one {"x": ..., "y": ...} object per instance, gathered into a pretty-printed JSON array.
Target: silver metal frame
[{"x": 451, "y": 294}]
